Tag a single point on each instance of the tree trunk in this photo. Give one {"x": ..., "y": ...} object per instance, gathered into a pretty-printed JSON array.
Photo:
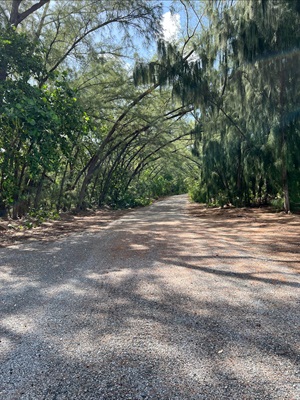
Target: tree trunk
[
  {"x": 16, "y": 18},
  {"x": 284, "y": 145},
  {"x": 3, "y": 75},
  {"x": 84, "y": 185},
  {"x": 239, "y": 177},
  {"x": 3, "y": 210},
  {"x": 58, "y": 205},
  {"x": 38, "y": 195},
  {"x": 259, "y": 192},
  {"x": 285, "y": 187}
]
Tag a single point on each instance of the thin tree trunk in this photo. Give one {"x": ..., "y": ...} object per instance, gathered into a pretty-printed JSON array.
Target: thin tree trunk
[
  {"x": 285, "y": 187},
  {"x": 58, "y": 205},
  {"x": 3, "y": 76},
  {"x": 284, "y": 146},
  {"x": 259, "y": 192},
  {"x": 38, "y": 195},
  {"x": 239, "y": 175},
  {"x": 42, "y": 21},
  {"x": 16, "y": 18}
]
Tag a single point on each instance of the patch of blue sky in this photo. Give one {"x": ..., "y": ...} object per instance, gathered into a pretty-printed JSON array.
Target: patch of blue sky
[
  {"x": 177, "y": 23},
  {"x": 180, "y": 20}
]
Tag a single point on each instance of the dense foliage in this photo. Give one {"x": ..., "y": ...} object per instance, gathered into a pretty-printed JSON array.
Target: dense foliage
[
  {"x": 216, "y": 110},
  {"x": 75, "y": 131},
  {"x": 250, "y": 137}
]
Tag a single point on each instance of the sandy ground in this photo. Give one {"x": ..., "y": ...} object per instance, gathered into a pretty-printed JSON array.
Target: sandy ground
[
  {"x": 275, "y": 233},
  {"x": 172, "y": 301},
  {"x": 14, "y": 232}
]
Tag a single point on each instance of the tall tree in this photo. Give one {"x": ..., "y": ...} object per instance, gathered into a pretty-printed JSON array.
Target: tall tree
[{"x": 243, "y": 79}]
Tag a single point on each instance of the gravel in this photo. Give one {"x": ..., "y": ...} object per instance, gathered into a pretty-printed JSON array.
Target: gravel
[{"x": 155, "y": 306}]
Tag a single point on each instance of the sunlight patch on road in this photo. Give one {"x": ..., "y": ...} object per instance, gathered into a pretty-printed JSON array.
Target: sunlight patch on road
[
  {"x": 9, "y": 282},
  {"x": 6, "y": 346},
  {"x": 135, "y": 246},
  {"x": 18, "y": 323},
  {"x": 65, "y": 290},
  {"x": 99, "y": 276}
]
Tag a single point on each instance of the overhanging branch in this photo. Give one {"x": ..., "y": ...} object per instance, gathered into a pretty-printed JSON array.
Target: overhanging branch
[{"x": 16, "y": 18}]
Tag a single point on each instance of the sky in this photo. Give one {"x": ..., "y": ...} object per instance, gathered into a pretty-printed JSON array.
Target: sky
[
  {"x": 171, "y": 26},
  {"x": 176, "y": 23}
]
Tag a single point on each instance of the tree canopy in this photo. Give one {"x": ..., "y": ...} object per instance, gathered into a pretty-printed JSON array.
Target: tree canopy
[{"x": 87, "y": 120}]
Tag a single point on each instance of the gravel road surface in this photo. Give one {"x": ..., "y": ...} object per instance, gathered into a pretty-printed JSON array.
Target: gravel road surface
[{"x": 156, "y": 306}]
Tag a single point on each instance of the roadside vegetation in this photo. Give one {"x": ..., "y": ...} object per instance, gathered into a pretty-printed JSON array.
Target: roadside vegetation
[{"x": 88, "y": 119}]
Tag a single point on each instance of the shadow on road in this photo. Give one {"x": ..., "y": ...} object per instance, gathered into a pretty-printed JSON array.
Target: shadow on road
[{"x": 155, "y": 307}]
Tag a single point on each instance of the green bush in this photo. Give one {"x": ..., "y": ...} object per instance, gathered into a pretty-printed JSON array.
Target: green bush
[{"x": 197, "y": 192}]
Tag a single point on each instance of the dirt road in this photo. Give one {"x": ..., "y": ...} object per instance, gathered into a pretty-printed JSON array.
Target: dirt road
[{"x": 158, "y": 305}]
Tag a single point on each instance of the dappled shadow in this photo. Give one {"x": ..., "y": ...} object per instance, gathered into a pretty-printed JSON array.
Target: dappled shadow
[
  {"x": 277, "y": 232},
  {"x": 156, "y": 307},
  {"x": 14, "y": 232},
  {"x": 237, "y": 275}
]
